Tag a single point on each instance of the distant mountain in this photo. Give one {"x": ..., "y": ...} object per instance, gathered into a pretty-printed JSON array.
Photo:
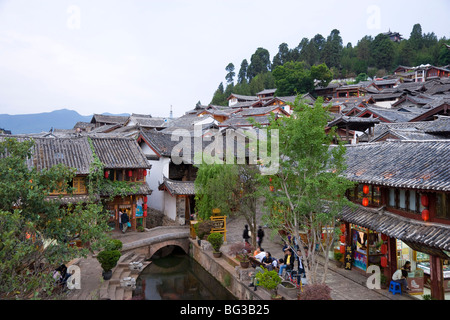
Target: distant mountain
[{"x": 39, "y": 122}]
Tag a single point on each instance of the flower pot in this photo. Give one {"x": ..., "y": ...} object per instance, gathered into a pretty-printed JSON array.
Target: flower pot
[
  {"x": 245, "y": 264},
  {"x": 107, "y": 275},
  {"x": 217, "y": 254}
]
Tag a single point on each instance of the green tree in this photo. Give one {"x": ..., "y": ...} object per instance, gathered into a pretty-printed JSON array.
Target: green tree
[
  {"x": 219, "y": 97},
  {"x": 332, "y": 49},
  {"x": 405, "y": 54},
  {"x": 309, "y": 188},
  {"x": 34, "y": 229},
  {"x": 382, "y": 52},
  {"x": 283, "y": 55},
  {"x": 416, "y": 37},
  {"x": 259, "y": 63},
  {"x": 322, "y": 74},
  {"x": 444, "y": 53},
  {"x": 230, "y": 75},
  {"x": 233, "y": 188},
  {"x": 293, "y": 78},
  {"x": 242, "y": 75}
]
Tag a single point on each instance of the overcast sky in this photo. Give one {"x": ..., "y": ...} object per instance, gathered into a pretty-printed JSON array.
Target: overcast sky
[{"x": 144, "y": 56}]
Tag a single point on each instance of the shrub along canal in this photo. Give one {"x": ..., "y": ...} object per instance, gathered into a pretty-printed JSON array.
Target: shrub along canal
[{"x": 178, "y": 277}]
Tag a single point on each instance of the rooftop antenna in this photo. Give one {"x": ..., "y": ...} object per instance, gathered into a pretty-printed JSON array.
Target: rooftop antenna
[{"x": 171, "y": 113}]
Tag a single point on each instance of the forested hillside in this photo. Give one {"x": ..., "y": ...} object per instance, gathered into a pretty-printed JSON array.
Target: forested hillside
[{"x": 293, "y": 71}]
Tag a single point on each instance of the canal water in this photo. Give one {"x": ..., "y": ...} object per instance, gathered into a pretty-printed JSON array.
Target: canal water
[{"x": 178, "y": 277}]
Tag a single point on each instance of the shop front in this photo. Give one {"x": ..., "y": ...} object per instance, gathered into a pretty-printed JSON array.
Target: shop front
[
  {"x": 389, "y": 242},
  {"x": 135, "y": 206}
]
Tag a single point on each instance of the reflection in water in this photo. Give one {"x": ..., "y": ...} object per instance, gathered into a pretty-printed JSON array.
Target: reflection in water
[{"x": 179, "y": 277}]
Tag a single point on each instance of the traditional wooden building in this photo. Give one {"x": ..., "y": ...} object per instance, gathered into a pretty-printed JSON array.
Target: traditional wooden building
[
  {"x": 402, "y": 194},
  {"x": 124, "y": 160}
]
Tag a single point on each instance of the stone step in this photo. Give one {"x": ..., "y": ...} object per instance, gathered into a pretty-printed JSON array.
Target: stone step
[
  {"x": 119, "y": 294},
  {"x": 119, "y": 274},
  {"x": 128, "y": 295},
  {"x": 112, "y": 291}
]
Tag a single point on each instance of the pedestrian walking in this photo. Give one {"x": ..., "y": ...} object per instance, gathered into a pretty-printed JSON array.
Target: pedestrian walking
[
  {"x": 246, "y": 234},
  {"x": 125, "y": 222},
  {"x": 260, "y": 236},
  {"x": 120, "y": 219}
]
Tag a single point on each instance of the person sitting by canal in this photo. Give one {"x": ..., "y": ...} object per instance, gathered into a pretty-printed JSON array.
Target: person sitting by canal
[
  {"x": 400, "y": 276},
  {"x": 407, "y": 266},
  {"x": 288, "y": 262},
  {"x": 260, "y": 255},
  {"x": 267, "y": 261},
  {"x": 125, "y": 221}
]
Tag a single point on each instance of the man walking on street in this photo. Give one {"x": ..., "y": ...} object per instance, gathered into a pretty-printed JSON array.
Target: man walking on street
[{"x": 260, "y": 236}]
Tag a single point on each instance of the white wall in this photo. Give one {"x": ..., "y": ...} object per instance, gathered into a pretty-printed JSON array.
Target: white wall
[
  {"x": 160, "y": 168},
  {"x": 170, "y": 206}
]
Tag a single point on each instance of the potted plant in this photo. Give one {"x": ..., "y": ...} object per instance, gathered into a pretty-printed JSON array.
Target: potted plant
[
  {"x": 269, "y": 280},
  {"x": 202, "y": 229},
  {"x": 216, "y": 240},
  {"x": 338, "y": 257},
  {"x": 241, "y": 251},
  {"x": 108, "y": 260}
]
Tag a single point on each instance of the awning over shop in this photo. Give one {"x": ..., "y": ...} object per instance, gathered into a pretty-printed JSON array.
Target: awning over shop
[{"x": 429, "y": 237}]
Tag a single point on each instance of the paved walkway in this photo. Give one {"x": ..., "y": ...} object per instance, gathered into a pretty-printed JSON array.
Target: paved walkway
[{"x": 344, "y": 284}]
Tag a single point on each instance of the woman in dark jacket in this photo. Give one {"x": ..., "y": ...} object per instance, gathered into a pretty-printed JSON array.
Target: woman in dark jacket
[{"x": 245, "y": 234}]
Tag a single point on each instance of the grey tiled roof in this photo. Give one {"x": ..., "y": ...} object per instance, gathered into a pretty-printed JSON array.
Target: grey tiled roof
[
  {"x": 178, "y": 187},
  {"x": 395, "y": 226},
  {"x": 391, "y": 115},
  {"x": 72, "y": 152},
  {"x": 407, "y": 135},
  {"x": 119, "y": 153},
  {"x": 159, "y": 141},
  {"x": 401, "y": 164},
  {"x": 109, "y": 119}
]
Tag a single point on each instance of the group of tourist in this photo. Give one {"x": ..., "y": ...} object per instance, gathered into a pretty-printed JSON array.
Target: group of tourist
[{"x": 291, "y": 256}]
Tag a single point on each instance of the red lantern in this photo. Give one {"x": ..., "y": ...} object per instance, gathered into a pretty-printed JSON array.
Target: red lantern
[
  {"x": 145, "y": 199},
  {"x": 145, "y": 172},
  {"x": 130, "y": 173},
  {"x": 145, "y": 213},
  {"x": 384, "y": 237},
  {"x": 342, "y": 239},
  {"x": 145, "y": 206},
  {"x": 365, "y": 202},
  {"x": 383, "y": 249},
  {"x": 424, "y": 200},
  {"x": 383, "y": 262},
  {"x": 106, "y": 174},
  {"x": 342, "y": 249},
  {"x": 425, "y": 215},
  {"x": 342, "y": 228},
  {"x": 366, "y": 189}
]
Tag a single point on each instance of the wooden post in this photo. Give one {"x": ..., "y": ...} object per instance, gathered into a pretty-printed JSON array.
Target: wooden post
[
  {"x": 437, "y": 278},
  {"x": 392, "y": 258}
]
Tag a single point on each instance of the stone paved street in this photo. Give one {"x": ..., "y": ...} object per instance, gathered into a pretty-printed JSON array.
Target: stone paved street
[{"x": 344, "y": 284}]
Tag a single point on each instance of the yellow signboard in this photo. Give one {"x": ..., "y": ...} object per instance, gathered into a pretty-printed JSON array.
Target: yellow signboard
[{"x": 220, "y": 225}]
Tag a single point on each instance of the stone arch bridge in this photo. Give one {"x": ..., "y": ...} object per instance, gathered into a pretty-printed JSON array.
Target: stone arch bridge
[{"x": 156, "y": 239}]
